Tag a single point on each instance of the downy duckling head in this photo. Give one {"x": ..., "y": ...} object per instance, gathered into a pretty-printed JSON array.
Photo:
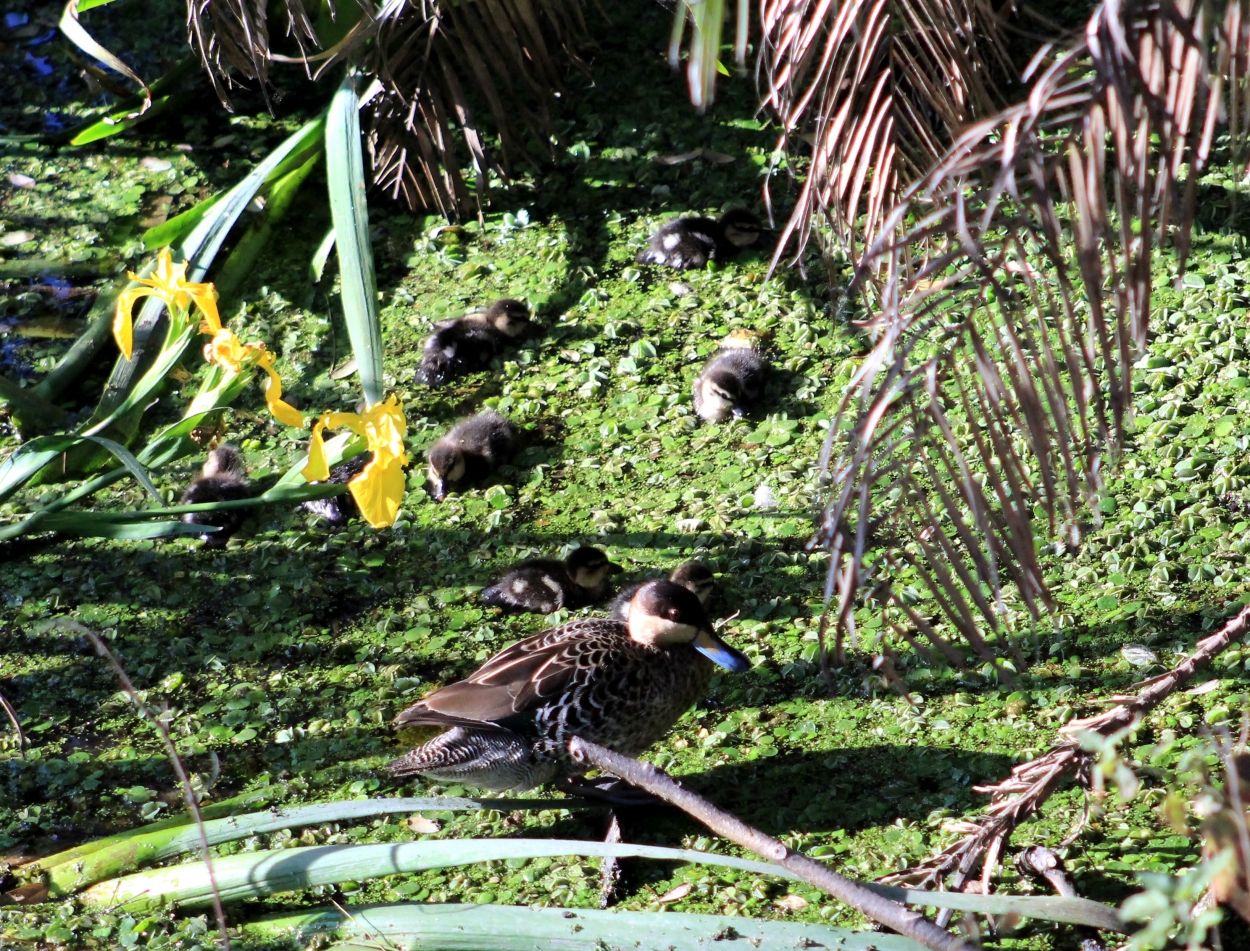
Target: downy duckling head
[
  {"x": 663, "y": 614},
  {"x": 589, "y": 567},
  {"x": 510, "y": 317},
  {"x": 695, "y": 577},
  {"x": 446, "y": 467},
  {"x": 740, "y": 228},
  {"x": 719, "y": 396}
]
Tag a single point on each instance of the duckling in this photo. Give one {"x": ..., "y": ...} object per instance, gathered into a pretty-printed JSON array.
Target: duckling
[
  {"x": 691, "y": 242},
  {"x": 622, "y": 685},
  {"x": 730, "y": 382},
  {"x": 694, "y": 576},
  {"x": 463, "y": 346},
  {"x": 471, "y": 449},
  {"x": 338, "y": 510},
  {"x": 544, "y": 585},
  {"x": 222, "y": 479}
]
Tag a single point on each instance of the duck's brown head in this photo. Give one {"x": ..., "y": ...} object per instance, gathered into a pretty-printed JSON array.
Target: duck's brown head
[{"x": 663, "y": 614}]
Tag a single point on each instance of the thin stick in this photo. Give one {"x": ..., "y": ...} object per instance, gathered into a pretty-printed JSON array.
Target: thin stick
[
  {"x": 188, "y": 793},
  {"x": 655, "y": 781},
  {"x": 1030, "y": 784},
  {"x": 17, "y": 724}
]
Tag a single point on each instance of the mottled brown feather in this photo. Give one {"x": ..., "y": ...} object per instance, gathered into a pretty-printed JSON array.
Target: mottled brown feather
[{"x": 519, "y": 678}]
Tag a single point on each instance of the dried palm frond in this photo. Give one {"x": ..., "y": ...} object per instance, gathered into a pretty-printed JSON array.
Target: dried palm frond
[
  {"x": 435, "y": 60},
  {"x": 510, "y": 54},
  {"x": 880, "y": 89},
  {"x": 1000, "y": 381}
]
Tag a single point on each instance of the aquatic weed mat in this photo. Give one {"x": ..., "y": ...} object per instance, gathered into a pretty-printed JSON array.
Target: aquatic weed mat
[{"x": 283, "y": 658}]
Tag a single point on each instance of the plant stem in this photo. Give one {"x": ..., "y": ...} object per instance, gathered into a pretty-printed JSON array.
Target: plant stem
[{"x": 655, "y": 781}]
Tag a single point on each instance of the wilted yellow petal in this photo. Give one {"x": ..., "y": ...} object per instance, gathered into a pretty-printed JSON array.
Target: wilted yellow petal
[
  {"x": 226, "y": 351},
  {"x": 379, "y": 489},
  {"x": 317, "y": 470},
  {"x": 283, "y": 412}
]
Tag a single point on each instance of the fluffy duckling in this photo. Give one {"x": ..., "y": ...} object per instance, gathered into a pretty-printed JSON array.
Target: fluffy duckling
[
  {"x": 471, "y": 450},
  {"x": 544, "y": 585},
  {"x": 731, "y": 381},
  {"x": 222, "y": 479},
  {"x": 694, "y": 576},
  {"x": 620, "y": 685},
  {"x": 691, "y": 242},
  {"x": 463, "y": 346},
  {"x": 338, "y": 510}
]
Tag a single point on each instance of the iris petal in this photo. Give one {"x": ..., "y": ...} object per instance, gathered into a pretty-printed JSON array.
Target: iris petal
[
  {"x": 123, "y": 322},
  {"x": 317, "y": 470},
  {"x": 282, "y": 411},
  {"x": 379, "y": 489}
]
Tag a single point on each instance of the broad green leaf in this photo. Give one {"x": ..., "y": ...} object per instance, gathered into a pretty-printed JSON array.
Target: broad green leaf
[
  {"x": 413, "y": 926},
  {"x": 256, "y": 238},
  {"x": 28, "y": 459},
  {"x": 178, "y": 227},
  {"x": 201, "y": 246},
  {"x": 317, "y": 267},
  {"x": 97, "y": 525},
  {"x": 73, "y": 31},
  {"x": 345, "y": 174},
  {"x": 255, "y": 874},
  {"x": 128, "y": 460},
  {"x": 120, "y": 120},
  {"x": 75, "y": 869}
]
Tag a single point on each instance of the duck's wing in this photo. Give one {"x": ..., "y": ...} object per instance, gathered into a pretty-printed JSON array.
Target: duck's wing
[{"x": 522, "y": 677}]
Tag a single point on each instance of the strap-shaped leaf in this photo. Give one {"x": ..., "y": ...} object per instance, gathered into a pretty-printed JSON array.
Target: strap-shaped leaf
[
  {"x": 127, "y": 459},
  {"x": 256, "y": 874},
  {"x": 345, "y": 174}
]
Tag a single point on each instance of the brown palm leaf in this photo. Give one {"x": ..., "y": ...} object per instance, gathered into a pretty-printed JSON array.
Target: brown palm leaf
[
  {"x": 1000, "y": 381},
  {"x": 879, "y": 89},
  {"x": 438, "y": 62}
]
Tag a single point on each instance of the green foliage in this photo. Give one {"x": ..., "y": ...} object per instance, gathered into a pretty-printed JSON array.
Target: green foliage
[
  {"x": 416, "y": 926},
  {"x": 349, "y": 211}
]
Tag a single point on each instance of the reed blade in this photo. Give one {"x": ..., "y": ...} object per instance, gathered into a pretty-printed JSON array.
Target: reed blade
[{"x": 345, "y": 174}]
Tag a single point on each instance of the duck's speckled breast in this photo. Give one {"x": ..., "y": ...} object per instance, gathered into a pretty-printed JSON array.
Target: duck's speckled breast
[{"x": 629, "y": 703}]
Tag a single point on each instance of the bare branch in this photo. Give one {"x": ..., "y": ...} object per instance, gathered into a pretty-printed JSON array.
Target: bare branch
[{"x": 658, "y": 783}]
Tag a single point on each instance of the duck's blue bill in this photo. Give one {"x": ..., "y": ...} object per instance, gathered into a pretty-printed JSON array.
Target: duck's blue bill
[{"x": 717, "y": 651}]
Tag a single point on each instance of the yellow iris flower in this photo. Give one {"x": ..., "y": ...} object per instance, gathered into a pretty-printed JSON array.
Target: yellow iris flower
[
  {"x": 379, "y": 488},
  {"x": 228, "y": 352},
  {"x": 169, "y": 283}
]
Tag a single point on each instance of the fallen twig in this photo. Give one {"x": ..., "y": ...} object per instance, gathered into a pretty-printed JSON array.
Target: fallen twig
[
  {"x": 1040, "y": 862},
  {"x": 655, "y": 781},
  {"x": 17, "y": 724},
  {"x": 1022, "y": 793},
  {"x": 610, "y": 870}
]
